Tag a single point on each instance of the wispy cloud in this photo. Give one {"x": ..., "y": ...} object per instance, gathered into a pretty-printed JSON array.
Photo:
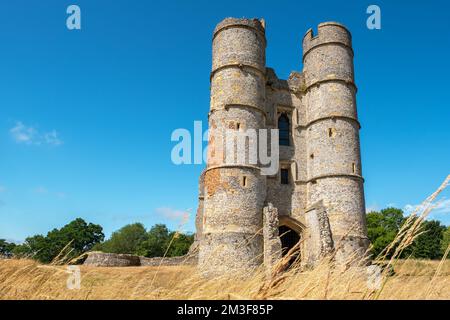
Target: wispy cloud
[
  {"x": 172, "y": 214},
  {"x": 180, "y": 216},
  {"x": 31, "y": 136},
  {"x": 440, "y": 211},
  {"x": 2, "y": 189},
  {"x": 41, "y": 190},
  {"x": 52, "y": 138}
]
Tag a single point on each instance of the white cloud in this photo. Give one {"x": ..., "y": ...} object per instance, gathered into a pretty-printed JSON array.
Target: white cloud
[
  {"x": 173, "y": 214},
  {"x": 443, "y": 206},
  {"x": 440, "y": 209},
  {"x": 31, "y": 136},
  {"x": 23, "y": 134},
  {"x": 41, "y": 190},
  {"x": 52, "y": 138},
  {"x": 2, "y": 189},
  {"x": 410, "y": 208}
]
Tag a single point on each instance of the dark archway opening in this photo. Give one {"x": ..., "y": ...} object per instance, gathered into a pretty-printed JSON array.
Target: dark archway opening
[{"x": 289, "y": 238}]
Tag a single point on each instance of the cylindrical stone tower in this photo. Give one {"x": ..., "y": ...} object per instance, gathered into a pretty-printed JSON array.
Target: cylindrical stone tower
[
  {"x": 333, "y": 159},
  {"x": 234, "y": 192}
]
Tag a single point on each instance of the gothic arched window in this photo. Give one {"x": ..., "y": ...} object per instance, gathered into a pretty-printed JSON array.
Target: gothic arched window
[{"x": 284, "y": 127}]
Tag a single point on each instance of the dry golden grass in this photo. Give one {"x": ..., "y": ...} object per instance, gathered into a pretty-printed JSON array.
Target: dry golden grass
[
  {"x": 412, "y": 279},
  {"x": 26, "y": 279}
]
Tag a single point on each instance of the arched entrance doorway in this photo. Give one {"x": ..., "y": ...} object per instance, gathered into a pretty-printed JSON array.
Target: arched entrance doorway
[{"x": 290, "y": 231}]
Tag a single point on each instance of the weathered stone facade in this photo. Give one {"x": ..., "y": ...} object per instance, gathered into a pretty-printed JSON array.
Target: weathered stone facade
[{"x": 322, "y": 157}]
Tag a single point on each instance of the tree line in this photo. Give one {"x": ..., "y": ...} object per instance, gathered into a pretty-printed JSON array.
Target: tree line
[
  {"x": 384, "y": 225},
  {"x": 79, "y": 237}
]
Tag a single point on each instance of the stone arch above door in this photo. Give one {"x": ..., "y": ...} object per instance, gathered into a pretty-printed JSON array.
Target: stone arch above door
[{"x": 292, "y": 223}]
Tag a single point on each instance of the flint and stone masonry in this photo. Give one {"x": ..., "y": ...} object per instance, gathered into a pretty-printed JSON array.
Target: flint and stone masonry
[{"x": 318, "y": 191}]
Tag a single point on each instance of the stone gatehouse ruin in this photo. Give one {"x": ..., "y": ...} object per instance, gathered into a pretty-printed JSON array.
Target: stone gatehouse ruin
[{"x": 317, "y": 195}]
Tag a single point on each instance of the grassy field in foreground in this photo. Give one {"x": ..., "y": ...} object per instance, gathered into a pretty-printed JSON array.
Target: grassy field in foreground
[
  {"x": 26, "y": 279},
  {"x": 399, "y": 279}
]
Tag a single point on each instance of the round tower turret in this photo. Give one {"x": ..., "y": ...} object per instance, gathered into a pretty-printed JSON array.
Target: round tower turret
[
  {"x": 234, "y": 192},
  {"x": 333, "y": 159}
]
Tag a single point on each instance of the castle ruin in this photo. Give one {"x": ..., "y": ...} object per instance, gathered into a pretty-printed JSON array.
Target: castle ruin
[{"x": 317, "y": 195}]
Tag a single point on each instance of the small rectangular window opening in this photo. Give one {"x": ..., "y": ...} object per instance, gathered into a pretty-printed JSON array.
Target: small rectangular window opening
[
  {"x": 244, "y": 181},
  {"x": 330, "y": 132},
  {"x": 354, "y": 167},
  {"x": 284, "y": 176}
]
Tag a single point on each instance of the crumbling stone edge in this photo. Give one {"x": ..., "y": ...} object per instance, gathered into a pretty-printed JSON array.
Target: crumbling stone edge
[{"x": 102, "y": 259}]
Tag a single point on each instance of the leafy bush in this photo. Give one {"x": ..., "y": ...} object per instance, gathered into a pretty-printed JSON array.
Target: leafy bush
[
  {"x": 157, "y": 242},
  {"x": 6, "y": 248},
  {"x": 77, "y": 235},
  {"x": 383, "y": 226}
]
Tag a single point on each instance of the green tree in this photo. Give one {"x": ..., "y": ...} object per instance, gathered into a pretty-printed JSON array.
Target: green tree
[
  {"x": 445, "y": 241},
  {"x": 133, "y": 239},
  {"x": 382, "y": 227},
  {"x": 36, "y": 247},
  {"x": 77, "y": 235},
  {"x": 6, "y": 248},
  {"x": 180, "y": 244},
  {"x": 128, "y": 240},
  {"x": 157, "y": 241},
  {"x": 428, "y": 245}
]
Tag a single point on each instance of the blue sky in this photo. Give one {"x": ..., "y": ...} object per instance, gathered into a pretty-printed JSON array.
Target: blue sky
[{"x": 86, "y": 116}]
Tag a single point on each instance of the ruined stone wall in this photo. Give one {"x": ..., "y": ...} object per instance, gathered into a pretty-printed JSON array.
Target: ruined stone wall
[
  {"x": 101, "y": 259},
  {"x": 333, "y": 151}
]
